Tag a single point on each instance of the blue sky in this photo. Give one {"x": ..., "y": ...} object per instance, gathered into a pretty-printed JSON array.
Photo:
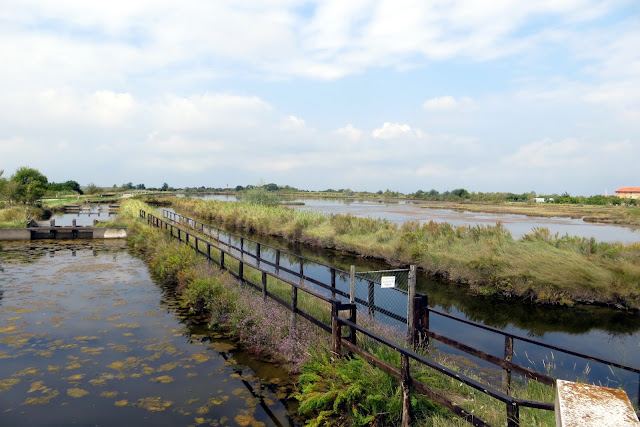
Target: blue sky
[{"x": 371, "y": 95}]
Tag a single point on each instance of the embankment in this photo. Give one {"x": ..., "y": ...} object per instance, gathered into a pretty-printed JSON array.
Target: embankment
[{"x": 539, "y": 267}]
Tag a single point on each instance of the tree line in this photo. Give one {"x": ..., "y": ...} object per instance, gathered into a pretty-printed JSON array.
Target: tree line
[{"x": 28, "y": 185}]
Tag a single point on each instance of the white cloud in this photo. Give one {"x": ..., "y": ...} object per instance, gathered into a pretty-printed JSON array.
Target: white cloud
[
  {"x": 394, "y": 131},
  {"x": 547, "y": 153},
  {"x": 109, "y": 108},
  {"x": 448, "y": 104},
  {"x": 350, "y": 132}
]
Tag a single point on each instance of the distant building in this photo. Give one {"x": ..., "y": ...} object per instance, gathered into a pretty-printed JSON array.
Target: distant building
[
  {"x": 543, "y": 199},
  {"x": 628, "y": 192}
]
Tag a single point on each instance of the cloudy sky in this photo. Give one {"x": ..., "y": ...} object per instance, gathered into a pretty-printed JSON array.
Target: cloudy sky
[{"x": 500, "y": 95}]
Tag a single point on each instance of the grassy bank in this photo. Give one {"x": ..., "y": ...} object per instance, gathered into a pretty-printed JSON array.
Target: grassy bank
[
  {"x": 604, "y": 214},
  {"x": 17, "y": 216},
  {"x": 345, "y": 391},
  {"x": 539, "y": 267}
]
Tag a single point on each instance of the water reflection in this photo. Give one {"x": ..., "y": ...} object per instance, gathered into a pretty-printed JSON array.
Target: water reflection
[
  {"x": 90, "y": 338},
  {"x": 402, "y": 211}
]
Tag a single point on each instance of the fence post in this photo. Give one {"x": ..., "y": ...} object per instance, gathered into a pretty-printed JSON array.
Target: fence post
[
  {"x": 508, "y": 356},
  {"x": 513, "y": 415},
  {"x": 353, "y": 312},
  {"x": 179, "y": 235},
  {"x": 372, "y": 299},
  {"x": 352, "y": 284},
  {"x": 264, "y": 286},
  {"x": 301, "y": 271},
  {"x": 422, "y": 319},
  {"x": 336, "y": 330},
  {"x": 208, "y": 253},
  {"x": 294, "y": 307},
  {"x": 241, "y": 271},
  {"x": 221, "y": 259},
  {"x": 411, "y": 308},
  {"x": 277, "y": 261},
  {"x": 242, "y": 247},
  {"x": 406, "y": 391},
  {"x": 333, "y": 283},
  {"x": 258, "y": 255}
]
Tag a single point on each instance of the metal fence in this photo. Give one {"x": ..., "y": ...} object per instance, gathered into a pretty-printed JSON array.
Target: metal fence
[
  {"x": 402, "y": 372},
  {"x": 395, "y": 306}
]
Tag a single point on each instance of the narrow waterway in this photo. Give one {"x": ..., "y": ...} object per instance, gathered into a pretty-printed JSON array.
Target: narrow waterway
[
  {"x": 87, "y": 337},
  {"x": 598, "y": 331},
  {"x": 518, "y": 225}
]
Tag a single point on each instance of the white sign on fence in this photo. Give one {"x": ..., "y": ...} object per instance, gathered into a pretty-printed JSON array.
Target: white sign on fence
[{"x": 388, "y": 282}]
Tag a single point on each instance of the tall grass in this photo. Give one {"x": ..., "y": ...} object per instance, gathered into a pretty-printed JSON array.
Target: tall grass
[
  {"x": 345, "y": 391},
  {"x": 17, "y": 216},
  {"x": 540, "y": 267}
]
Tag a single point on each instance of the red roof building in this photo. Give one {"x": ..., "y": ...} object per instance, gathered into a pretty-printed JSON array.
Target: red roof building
[{"x": 628, "y": 192}]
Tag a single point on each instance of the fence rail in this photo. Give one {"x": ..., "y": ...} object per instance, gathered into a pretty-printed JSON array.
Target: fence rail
[
  {"x": 236, "y": 248},
  {"x": 350, "y": 342}
]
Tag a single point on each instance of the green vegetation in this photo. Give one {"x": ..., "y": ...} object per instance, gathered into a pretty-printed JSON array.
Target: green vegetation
[
  {"x": 540, "y": 267},
  {"x": 260, "y": 196},
  {"x": 345, "y": 391}
]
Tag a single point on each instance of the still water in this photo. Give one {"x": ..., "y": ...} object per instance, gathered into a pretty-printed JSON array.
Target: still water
[
  {"x": 100, "y": 212},
  {"x": 87, "y": 337},
  {"x": 598, "y": 331},
  {"x": 518, "y": 225}
]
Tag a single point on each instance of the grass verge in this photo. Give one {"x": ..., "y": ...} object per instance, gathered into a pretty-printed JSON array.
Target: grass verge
[
  {"x": 540, "y": 267},
  {"x": 345, "y": 391}
]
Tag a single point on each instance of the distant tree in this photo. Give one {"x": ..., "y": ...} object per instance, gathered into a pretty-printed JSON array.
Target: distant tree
[
  {"x": 239, "y": 188},
  {"x": 127, "y": 186},
  {"x": 91, "y": 188},
  {"x": 164, "y": 187},
  {"x": 461, "y": 192},
  {"x": 30, "y": 185},
  {"x": 140, "y": 187},
  {"x": 73, "y": 185},
  {"x": 271, "y": 187}
]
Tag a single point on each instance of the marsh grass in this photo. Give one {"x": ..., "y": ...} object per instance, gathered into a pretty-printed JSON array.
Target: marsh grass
[
  {"x": 17, "y": 216},
  {"x": 347, "y": 391},
  {"x": 263, "y": 327},
  {"x": 540, "y": 267}
]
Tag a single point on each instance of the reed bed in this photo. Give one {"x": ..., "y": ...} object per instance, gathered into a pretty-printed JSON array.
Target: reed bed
[
  {"x": 540, "y": 267},
  {"x": 345, "y": 391}
]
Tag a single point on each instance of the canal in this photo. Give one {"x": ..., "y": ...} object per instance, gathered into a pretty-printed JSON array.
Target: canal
[
  {"x": 400, "y": 212},
  {"x": 88, "y": 337},
  {"x": 603, "y": 332}
]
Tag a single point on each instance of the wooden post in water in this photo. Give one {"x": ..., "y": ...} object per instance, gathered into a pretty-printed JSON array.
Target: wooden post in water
[{"x": 406, "y": 391}]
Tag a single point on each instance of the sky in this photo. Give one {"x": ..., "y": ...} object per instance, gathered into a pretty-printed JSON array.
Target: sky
[{"x": 490, "y": 96}]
